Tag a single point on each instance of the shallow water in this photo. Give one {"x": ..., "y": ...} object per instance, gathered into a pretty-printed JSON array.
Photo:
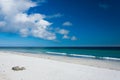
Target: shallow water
[{"x": 95, "y": 53}]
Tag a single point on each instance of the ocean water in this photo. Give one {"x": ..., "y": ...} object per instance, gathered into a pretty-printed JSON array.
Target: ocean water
[{"x": 103, "y": 53}]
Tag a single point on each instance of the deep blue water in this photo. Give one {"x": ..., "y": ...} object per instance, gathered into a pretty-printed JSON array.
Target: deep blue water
[{"x": 112, "y": 53}]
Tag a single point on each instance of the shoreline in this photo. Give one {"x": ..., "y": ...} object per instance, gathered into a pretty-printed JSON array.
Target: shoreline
[
  {"x": 45, "y": 68},
  {"x": 107, "y": 64}
]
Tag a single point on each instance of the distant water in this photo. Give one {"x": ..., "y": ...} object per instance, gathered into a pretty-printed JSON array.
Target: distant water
[{"x": 104, "y": 53}]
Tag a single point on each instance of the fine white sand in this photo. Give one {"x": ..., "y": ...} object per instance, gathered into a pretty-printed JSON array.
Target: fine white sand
[{"x": 46, "y": 69}]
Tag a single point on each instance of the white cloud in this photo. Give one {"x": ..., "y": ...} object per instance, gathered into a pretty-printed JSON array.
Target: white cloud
[
  {"x": 67, "y": 23},
  {"x": 66, "y": 37},
  {"x": 63, "y": 31},
  {"x": 73, "y": 38},
  {"x": 16, "y": 20},
  {"x": 13, "y": 18},
  {"x": 65, "y": 34},
  {"x": 11, "y": 7},
  {"x": 24, "y": 32},
  {"x": 58, "y": 15}
]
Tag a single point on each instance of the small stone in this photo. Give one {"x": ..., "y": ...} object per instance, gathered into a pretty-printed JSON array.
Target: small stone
[{"x": 17, "y": 68}]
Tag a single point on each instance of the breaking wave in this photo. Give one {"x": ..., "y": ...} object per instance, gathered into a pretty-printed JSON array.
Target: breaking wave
[{"x": 84, "y": 56}]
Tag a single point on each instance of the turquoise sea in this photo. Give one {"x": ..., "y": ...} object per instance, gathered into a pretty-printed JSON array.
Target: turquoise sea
[{"x": 103, "y": 53}]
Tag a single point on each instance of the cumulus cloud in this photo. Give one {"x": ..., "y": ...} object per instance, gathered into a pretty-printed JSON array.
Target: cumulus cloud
[
  {"x": 67, "y": 23},
  {"x": 15, "y": 19},
  {"x": 66, "y": 34},
  {"x": 73, "y": 38},
  {"x": 63, "y": 31},
  {"x": 66, "y": 37}
]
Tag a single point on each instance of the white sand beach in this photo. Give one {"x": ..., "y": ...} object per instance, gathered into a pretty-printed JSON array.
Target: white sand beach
[{"x": 46, "y": 69}]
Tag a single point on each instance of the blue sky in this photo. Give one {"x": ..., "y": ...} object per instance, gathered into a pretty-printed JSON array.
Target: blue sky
[{"x": 60, "y": 23}]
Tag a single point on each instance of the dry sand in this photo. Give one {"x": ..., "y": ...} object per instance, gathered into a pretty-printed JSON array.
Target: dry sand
[{"x": 46, "y": 69}]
